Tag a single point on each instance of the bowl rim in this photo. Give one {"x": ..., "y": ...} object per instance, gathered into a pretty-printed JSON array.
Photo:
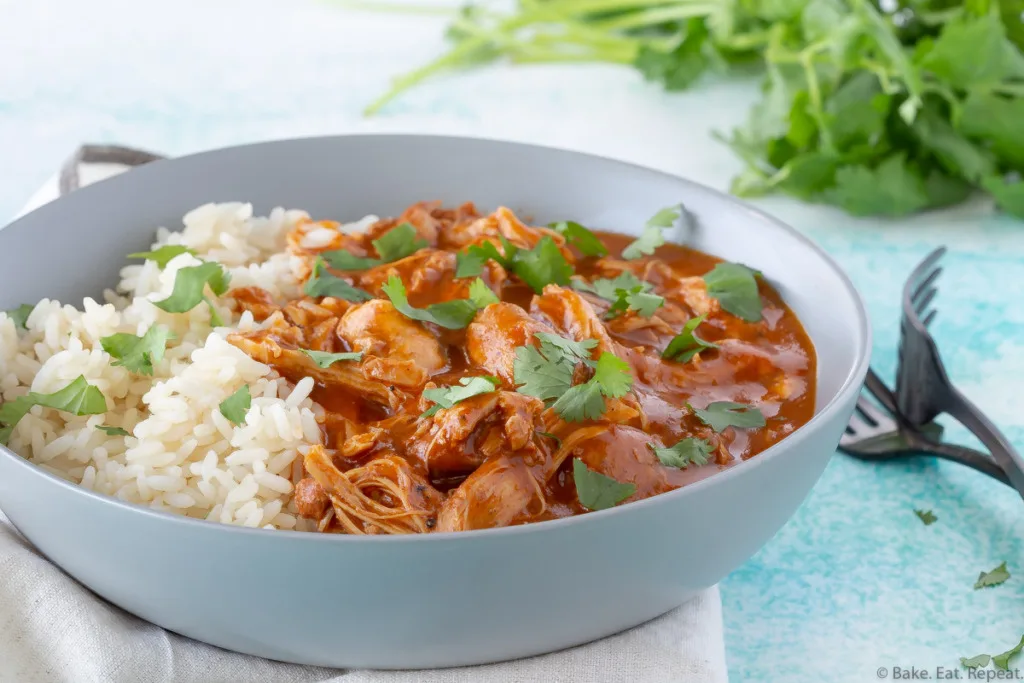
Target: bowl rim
[{"x": 852, "y": 382}]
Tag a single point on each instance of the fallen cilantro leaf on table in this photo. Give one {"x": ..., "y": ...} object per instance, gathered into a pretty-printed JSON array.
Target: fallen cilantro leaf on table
[
  {"x": 453, "y": 315},
  {"x": 597, "y": 491},
  {"x": 1002, "y": 661},
  {"x": 926, "y": 517},
  {"x": 653, "y": 235},
  {"x": 20, "y": 314},
  {"x": 996, "y": 577},
  {"x": 113, "y": 431},
  {"x": 580, "y": 237},
  {"x": 612, "y": 379},
  {"x": 722, "y": 414},
  {"x": 735, "y": 287},
  {"x": 446, "y": 397},
  {"x": 976, "y": 662},
  {"x": 138, "y": 354},
  {"x": 163, "y": 255},
  {"x": 190, "y": 285},
  {"x": 690, "y": 451},
  {"x": 687, "y": 344},
  {"x": 323, "y": 283},
  {"x": 235, "y": 406},
  {"x": 78, "y": 398},
  {"x": 326, "y": 360}
]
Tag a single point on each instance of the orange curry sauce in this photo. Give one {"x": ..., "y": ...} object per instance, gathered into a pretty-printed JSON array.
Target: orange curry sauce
[{"x": 503, "y": 458}]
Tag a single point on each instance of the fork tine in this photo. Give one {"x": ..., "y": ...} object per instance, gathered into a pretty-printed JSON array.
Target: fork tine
[
  {"x": 856, "y": 424},
  {"x": 929, "y": 318},
  {"x": 926, "y": 283},
  {"x": 921, "y": 305},
  {"x": 871, "y": 413},
  {"x": 926, "y": 266}
]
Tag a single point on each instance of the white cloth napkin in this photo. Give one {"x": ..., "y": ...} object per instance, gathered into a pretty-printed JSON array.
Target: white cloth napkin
[{"x": 54, "y": 630}]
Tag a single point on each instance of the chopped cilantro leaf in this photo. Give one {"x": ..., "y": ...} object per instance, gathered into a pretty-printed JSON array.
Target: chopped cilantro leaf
[
  {"x": 323, "y": 283},
  {"x": 113, "y": 431},
  {"x": 138, "y": 354},
  {"x": 20, "y": 314},
  {"x": 549, "y": 435},
  {"x": 687, "y": 344},
  {"x": 597, "y": 491},
  {"x": 542, "y": 265},
  {"x": 481, "y": 295},
  {"x": 469, "y": 263},
  {"x": 326, "y": 360},
  {"x": 735, "y": 288},
  {"x": 78, "y": 398},
  {"x": 1002, "y": 661},
  {"x": 446, "y": 397},
  {"x": 635, "y": 299},
  {"x": 580, "y": 237},
  {"x": 722, "y": 414},
  {"x": 163, "y": 255},
  {"x": 687, "y": 452},
  {"x": 608, "y": 289},
  {"x": 926, "y": 517},
  {"x": 339, "y": 259},
  {"x": 398, "y": 242},
  {"x": 190, "y": 284},
  {"x": 574, "y": 351},
  {"x": 996, "y": 577},
  {"x": 454, "y": 314},
  {"x": 976, "y": 662},
  {"x": 612, "y": 379},
  {"x": 235, "y": 406},
  {"x": 653, "y": 234}
]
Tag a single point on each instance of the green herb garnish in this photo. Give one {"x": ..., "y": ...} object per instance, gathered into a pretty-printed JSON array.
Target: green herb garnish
[
  {"x": 608, "y": 289},
  {"x": 926, "y": 517},
  {"x": 113, "y": 431},
  {"x": 635, "y": 299},
  {"x": 481, "y": 295},
  {"x": 235, "y": 406},
  {"x": 996, "y": 577},
  {"x": 612, "y": 379},
  {"x": 326, "y": 360},
  {"x": 597, "y": 491},
  {"x": 322, "y": 283},
  {"x": 78, "y": 398},
  {"x": 722, "y": 414},
  {"x": 653, "y": 234},
  {"x": 20, "y": 315},
  {"x": 580, "y": 237},
  {"x": 397, "y": 243},
  {"x": 190, "y": 285},
  {"x": 735, "y": 288},
  {"x": 976, "y": 662},
  {"x": 446, "y": 397},
  {"x": 687, "y": 452},
  {"x": 546, "y": 373},
  {"x": 163, "y": 255},
  {"x": 138, "y": 354},
  {"x": 1002, "y": 661},
  {"x": 537, "y": 267},
  {"x": 453, "y": 315},
  {"x": 687, "y": 344}
]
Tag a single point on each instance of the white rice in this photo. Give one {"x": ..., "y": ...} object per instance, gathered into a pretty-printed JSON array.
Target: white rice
[{"x": 183, "y": 455}]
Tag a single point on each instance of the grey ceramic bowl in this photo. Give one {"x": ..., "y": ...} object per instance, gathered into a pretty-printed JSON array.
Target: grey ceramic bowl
[{"x": 442, "y": 599}]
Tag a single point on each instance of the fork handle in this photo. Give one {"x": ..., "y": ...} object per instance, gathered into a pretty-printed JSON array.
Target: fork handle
[
  {"x": 964, "y": 456},
  {"x": 995, "y": 441}
]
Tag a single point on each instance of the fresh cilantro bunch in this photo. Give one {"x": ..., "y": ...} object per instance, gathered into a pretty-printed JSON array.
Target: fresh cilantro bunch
[{"x": 879, "y": 108}]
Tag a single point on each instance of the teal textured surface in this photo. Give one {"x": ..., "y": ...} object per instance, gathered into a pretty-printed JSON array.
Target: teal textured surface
[{"x": 855, "y": 581}]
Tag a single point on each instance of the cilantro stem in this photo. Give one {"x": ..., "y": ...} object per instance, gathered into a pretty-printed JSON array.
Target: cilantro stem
[
  {"x": 814, "y": 91},
  {"x": 656, "y": 16}
]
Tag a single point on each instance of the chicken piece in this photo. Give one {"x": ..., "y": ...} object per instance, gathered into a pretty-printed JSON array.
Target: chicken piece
[
  {"x": 294, "y": 364},
  {"x": 503, "y": 223},
  {"x": 429, "y": 277},
  {"x": 384, "y": 496},
  {"x": 492, "y": 338},
  {"x": 256, "y": 300},
  {"x": 429, "y": 218},
  {"x": 498, "y": 492},
  {"x": 624, "y": 454},
  {"x": 396, "y": 349},
  {"x": 457, "y": 440},
  {"x": 311, "y": 500},
  {"x": 693, "y": 291},
  {"x": 571, "y": 315}
]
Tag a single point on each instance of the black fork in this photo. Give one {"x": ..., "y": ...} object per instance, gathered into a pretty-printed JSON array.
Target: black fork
[{"x": 923, "y": 389}]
